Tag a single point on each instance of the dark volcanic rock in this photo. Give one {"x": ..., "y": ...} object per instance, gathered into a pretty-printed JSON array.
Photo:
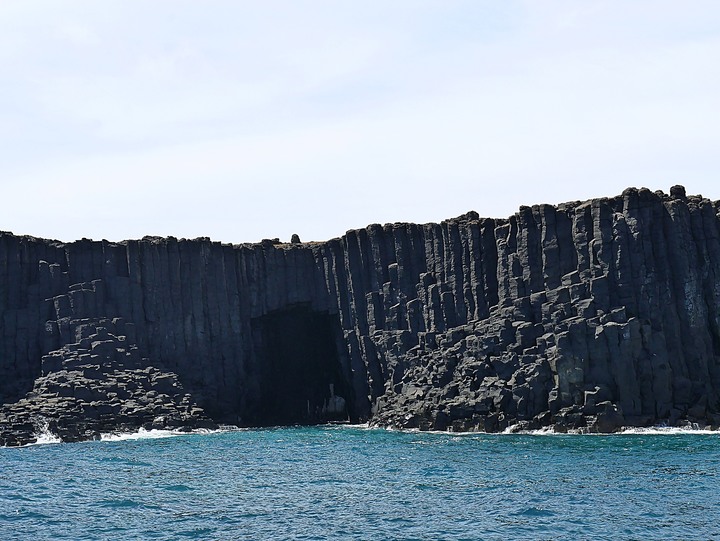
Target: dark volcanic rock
[
  {"x": 586, "y": 316},
  {"x": 99, "y": 385}
]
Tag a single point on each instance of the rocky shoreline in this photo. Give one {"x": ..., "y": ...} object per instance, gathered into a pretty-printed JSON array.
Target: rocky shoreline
[
  {"x": 586, "y": 316},
  {"x": 99, "y": 385}
]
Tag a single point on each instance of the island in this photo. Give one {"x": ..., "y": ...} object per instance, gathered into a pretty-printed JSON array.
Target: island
[{"x": 585, "y": 316}]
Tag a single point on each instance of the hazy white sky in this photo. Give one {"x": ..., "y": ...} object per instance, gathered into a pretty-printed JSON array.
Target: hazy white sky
[{"x": 246, "y": 120}]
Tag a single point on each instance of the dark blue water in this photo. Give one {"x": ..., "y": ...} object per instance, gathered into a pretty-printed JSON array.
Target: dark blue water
[{"x": 353, "y": 483}]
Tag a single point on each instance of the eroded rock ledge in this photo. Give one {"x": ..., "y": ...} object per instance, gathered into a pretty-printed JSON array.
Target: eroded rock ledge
[{"x": 587, "y": 315}]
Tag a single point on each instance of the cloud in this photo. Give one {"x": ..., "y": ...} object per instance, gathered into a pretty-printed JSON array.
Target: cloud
[{"x": 241, "y": 121}]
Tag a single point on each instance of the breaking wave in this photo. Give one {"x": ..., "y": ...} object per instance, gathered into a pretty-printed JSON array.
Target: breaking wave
[{"x": 44, "y": 435}]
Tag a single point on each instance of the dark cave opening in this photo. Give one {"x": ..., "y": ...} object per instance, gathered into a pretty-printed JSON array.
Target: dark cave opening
[{"x": 298, "y": 355}]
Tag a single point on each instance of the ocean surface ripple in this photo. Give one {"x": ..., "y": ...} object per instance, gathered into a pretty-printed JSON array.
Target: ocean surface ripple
[{"x": 357, "y": 483}]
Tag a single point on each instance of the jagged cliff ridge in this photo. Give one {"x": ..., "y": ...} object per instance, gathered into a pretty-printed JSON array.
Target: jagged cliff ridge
[{"x": 590, "y": 314}]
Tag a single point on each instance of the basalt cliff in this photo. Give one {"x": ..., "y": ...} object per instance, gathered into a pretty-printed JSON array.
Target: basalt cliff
[{"x": 587, "y": 315}]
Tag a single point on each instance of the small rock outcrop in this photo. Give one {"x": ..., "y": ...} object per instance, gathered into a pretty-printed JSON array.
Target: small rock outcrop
[
  {"x": 587, "y": 316},
  {"x": 98, "y": 385}
]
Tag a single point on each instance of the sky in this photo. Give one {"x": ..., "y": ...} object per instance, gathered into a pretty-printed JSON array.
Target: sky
[{"x": 244, "y": 120}]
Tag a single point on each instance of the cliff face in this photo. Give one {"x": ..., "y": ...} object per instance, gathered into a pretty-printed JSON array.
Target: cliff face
[{"x": 595, "y": 314}]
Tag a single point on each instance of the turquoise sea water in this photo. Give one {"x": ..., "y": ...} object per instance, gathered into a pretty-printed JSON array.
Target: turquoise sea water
[{"x": 356, "y": 483}]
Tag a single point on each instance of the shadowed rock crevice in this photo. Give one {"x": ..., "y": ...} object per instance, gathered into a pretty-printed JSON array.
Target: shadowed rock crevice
[{"x": 301, "y": 378}]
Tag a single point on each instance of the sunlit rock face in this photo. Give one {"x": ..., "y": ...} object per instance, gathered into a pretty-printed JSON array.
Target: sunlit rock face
[{"x": 586, "y": 315}]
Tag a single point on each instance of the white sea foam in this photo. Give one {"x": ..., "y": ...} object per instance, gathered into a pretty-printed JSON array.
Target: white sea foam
[
  {"x": 141, "y": 434},
  {"x": 43, "y": 434},
  {"x": 628, "y": 431},
  {"x": 669, "y": 430},
  {"x": 46, "y": 437},
  {"x": 550, "y": 431},
  {"x": 344, "y": 426},
  {"x": 154, "y": 434}
]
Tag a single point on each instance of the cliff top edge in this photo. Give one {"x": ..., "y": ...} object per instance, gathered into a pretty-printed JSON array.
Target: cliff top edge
[{"x": 629, "y": 197}]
